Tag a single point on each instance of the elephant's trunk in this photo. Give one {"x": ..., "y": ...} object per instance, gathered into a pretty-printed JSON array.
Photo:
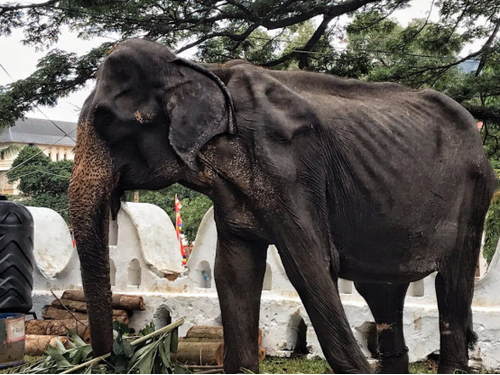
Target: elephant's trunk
[{"x": 90, "y": 189}]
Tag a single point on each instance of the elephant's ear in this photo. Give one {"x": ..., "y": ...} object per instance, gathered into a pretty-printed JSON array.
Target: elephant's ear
[{"x": 199, "y": 108}]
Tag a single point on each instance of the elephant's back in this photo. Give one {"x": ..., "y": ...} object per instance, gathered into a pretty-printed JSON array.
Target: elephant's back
[{"x": 406, "y": 135}]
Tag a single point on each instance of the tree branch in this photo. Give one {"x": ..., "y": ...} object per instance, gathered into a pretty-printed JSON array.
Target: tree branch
[
  {"x": 304, "y": 57},
  {"x": 236, "y": 37},
  {"x": 332, "y": 11},
  {"x": 483, "y": 51},
  {"x": 329, "y": 13},
  {"x": 245, "y": 10},
  {"x": 443, "y": 68},
  {"x": 486, "y": 46},
  {"x": 244, "y": 35}
]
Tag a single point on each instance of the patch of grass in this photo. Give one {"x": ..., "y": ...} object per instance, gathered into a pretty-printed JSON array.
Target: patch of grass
[
  {"x": 423, "y": 367},
  {"x": 276, "y": 365}
]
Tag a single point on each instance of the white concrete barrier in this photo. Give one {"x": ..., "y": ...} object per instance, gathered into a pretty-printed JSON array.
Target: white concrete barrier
[
  {"x": 56, "y": 260},
  {"x": 143, "y": 249},
  {"x": 145, "y": 259}
]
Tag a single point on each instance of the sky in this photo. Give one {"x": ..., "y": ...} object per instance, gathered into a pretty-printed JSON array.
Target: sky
[{"x": 20, "y": 60}]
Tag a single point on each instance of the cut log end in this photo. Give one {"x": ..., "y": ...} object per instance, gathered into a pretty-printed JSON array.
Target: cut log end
[
  {"x": 212, "y": 333},
  {"x": 58, "y": 327},
  {"x": 37, "y": 344},
  {"x": 200, "y": 353}
]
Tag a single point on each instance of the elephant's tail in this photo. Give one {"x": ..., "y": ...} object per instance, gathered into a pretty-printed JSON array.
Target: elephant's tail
[
  {"x": 483, "y": 191},
  {"x": 471, "y": 336}
]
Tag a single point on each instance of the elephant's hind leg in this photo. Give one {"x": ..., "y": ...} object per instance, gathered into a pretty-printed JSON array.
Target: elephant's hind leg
[
  {"x": 454, "y": 290},
  {"x": 455, "y": 284},
  {"x": 386, "y": 302}
]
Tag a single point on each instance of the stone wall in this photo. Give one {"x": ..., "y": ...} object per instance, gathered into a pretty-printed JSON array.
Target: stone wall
[{"x": 145, "y": 260}]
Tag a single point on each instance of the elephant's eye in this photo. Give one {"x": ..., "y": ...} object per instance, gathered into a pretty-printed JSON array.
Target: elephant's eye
[{"x": 103, "y": 117}]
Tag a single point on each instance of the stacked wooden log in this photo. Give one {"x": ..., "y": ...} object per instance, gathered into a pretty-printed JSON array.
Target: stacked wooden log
[
  {"x": 203, "y": 346},
  {"x": 69, "y": 313}
]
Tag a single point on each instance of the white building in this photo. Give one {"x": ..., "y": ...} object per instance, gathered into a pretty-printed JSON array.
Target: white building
[{"x": 55, "y": 138}]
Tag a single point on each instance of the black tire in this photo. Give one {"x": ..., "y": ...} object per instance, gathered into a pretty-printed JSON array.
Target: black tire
[{"x": 16, "y": 258}]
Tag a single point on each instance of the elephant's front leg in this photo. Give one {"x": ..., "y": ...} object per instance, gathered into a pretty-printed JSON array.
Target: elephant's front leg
[{"x": 239, "y": 272}]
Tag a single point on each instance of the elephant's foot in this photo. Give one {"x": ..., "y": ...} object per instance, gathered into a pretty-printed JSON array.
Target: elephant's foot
[
  {"x": 453, "y": 368},
  {"x": 393, "y": 364},
  {"x": 248, "y": 368}
]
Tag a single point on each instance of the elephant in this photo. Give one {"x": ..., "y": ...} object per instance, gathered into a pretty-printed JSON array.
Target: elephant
[{"x": 372, "y": 182}]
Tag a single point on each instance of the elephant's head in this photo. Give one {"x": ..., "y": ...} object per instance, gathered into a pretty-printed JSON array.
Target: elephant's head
[{"x": 142, "y": 127}]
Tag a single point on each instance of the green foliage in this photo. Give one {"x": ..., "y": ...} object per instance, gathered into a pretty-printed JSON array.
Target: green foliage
[
  {"x": 408, "y": 55},
  {"x": 258, "y": 47},
  {"x": 262, "y": 47},
  {"x": 193, "y": 210},
  {"x": 42, "y": 182},
  {"x": 491, "y": 136},
  {"x": 426, "y": 54},
  {"x": 492, "y": 227},
  {"x": 153, "y": 358},
  {"x": 145, "y": 355},
  {"x": 194, "y": 206},
  {"x": 57, "y": 358},
  {"x": 57, "y": 202},
  {"x": 148, "y": 328},
  {"x": 38, "y": 174},
  {"x": 29, "y": 160}
]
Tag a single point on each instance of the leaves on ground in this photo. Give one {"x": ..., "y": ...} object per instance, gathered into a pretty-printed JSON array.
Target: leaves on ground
[{"x": 152, "y": 356}]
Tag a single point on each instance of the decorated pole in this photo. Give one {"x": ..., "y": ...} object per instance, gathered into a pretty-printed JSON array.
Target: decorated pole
[{"x": 178, "y": 228}]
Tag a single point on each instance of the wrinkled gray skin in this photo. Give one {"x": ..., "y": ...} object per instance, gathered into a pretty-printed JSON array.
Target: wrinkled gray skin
[{"x": 372, "y": 182}]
